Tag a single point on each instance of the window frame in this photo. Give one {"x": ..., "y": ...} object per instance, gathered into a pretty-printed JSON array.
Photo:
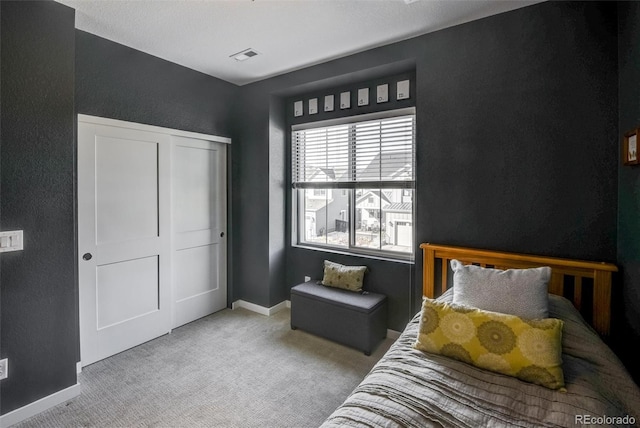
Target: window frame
[{"x": 297, "y": 193}]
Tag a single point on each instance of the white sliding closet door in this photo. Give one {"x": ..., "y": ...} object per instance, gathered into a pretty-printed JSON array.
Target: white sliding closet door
[
  {"x": 199, "y": 225},
  {"x": 151, "y": 232},
  {"x": 123, "y": 217}
]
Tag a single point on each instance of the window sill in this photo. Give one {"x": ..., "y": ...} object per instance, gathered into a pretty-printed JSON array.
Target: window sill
[{"x": 405, "y": 259}]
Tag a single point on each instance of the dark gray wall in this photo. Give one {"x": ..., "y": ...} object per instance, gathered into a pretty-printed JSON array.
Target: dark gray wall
[
  {"x": 250, "y": 202},
  {"x": 516, "y": 143},
  {"x": 1, "y": 354},
  {"x": 44, "y": 59},
  {"x": 628, "y": 321},
  {"x": 38, "y": 313},
  {"x": 118, "y": 82},
  {"x": 262, "y": 270},
  {"x": 518, "y": 123}
]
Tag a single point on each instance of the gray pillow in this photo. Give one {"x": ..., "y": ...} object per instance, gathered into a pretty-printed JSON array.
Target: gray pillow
[{"x": 520, "y": 292}]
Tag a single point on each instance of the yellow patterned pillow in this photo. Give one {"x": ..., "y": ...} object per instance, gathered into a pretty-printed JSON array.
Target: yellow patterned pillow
[
  {"x": 530, "y": 350},
  {"x": 341, "y": 276}
]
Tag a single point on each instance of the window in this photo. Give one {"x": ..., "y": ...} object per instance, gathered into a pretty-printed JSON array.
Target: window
[{"x": 353, "y": 183}]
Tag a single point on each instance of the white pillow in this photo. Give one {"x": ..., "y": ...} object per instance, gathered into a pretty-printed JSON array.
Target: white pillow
[{"x": 520, "y": 292}]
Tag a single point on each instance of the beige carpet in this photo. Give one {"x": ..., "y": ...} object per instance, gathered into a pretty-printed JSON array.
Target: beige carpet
[{"x": 230, "y": 369}]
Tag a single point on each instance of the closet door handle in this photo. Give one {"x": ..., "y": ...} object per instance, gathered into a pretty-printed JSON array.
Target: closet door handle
[
  {"x": 87, "y": 256},
  {"x": 222, "y": 234}
]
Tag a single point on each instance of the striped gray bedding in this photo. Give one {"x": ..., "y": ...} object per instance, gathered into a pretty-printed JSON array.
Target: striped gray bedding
[{"x": 409, "y": 388}]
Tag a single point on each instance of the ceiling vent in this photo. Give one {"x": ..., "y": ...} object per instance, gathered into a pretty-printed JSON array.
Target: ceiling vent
[{"x": 244, "y": 55}]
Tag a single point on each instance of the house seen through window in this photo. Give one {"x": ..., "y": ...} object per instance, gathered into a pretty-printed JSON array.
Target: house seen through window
[{"x": 353, "y": 183}]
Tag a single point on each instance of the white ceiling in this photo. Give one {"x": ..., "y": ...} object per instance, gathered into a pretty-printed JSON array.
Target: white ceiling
[{"x": 287, "y": 34}]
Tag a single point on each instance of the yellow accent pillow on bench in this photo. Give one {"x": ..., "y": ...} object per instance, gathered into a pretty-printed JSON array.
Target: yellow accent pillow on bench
[
  {"x": 341, "y": 276},
  {"x": 530, "y": 350}
]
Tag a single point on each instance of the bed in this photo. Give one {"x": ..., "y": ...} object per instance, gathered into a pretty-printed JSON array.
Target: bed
[{"x": 412, "y": 388}]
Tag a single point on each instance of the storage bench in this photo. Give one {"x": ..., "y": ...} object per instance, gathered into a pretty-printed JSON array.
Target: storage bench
[{"x": 354, "y": 319}]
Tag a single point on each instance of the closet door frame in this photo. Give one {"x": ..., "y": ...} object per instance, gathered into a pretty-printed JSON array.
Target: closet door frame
[{"x": 167, "y": 134}]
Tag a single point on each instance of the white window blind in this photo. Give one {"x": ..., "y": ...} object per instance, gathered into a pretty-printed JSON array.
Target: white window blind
[{"x": 378, "y": 152}]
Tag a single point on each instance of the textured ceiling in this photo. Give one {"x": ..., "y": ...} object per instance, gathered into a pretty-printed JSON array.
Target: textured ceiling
[{"x": 287, "y": 34}]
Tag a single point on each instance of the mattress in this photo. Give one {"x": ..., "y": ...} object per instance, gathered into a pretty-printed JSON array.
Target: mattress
[{"x": 411, "y": 388}]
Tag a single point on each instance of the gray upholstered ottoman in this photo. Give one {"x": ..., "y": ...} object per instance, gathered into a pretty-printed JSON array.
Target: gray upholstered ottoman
[{"x": 354, "y": 319}]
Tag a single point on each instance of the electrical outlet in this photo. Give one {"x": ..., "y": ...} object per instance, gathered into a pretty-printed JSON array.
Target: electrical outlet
[
  {"x": 4, "y": 369},
  {"x": 307, "y": 278}
]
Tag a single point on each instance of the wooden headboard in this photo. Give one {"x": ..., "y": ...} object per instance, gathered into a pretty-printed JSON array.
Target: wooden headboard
[{"x": 564, "y": 272}]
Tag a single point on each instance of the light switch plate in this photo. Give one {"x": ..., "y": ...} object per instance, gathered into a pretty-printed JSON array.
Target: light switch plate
[
  {"x": 4, "y": 369},
  {"x": 363, "y": 97},
  {"x": 345, "y": 100},
  {"x": 382, "y": 93},
  {"x": 297, "y": 108},
  {"x": 403, "y": 90},
  {"x": 313, "y": 106},
  {"x": 328, "y": 102},
  {"x": 11, "y": 241}
]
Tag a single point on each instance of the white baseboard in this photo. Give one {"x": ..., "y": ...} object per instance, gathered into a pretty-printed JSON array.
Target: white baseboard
[
  {"x": 39, "y": 406},
  {"x": 261, "y": 309},
  {"x": 79, "y": 367},
  {"x": 392, "y": 334}
]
